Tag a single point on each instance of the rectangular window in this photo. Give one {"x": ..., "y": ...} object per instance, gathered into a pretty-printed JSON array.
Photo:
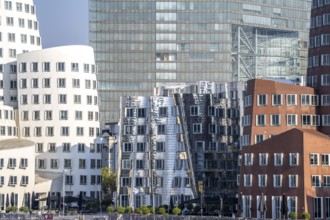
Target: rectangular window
[
  {"x": 159, "y": 164},
  {"x": 139, "y": 164},
  {"x": 291, "y": 120},
  {"x": 318, "y": 207},
  {"x": 260, "y": 120},
  {"x": 76, "y": 83},
  {"x": 161, "y": 129},
  {"x": 325, "y": 159},
  {"x": 141, "y": 112},
  {"x": 248, "y": 159},
  {"x": 141, "y": 130},
  {"x": 126, "y": 164},
  {"x": 23, "y": 163},
  {"x": 314, "y": 159},
  {"x": 247, "y": 180},
  {"x": 263, "y": 159},
  {"x": 194, "y": 110},
  {"x": 127, "y": 147},
  {"x": 48, "y": 115},
  {"x": 293, "y": 181},
  {"x": 67, "y": 164},
  {"x": 53, "y": 163},
  {"x": 278, "y": 159},
  {"x": 60, "y": 66},
  {"x": 294, "y": 159},
  {"x": 259, "y": 138},
  {"x": 276, "y": 99},
  {"x": 316, "y": 181},
  {"x": 140, "y": 147},
  {"x": 197, "y": 128},
  {"x": 162, "y": 112},
  {"x": 275, "y": 120},
  {"x": 62, "y": 99},
  {"x": 74, "y": 67},
  {"x": 262, "y": 100},
  {"x": 262, "y": 180},
  {"x": 61, "y": 82},
  {"x": 52, "y": 147},
  {"x": 277, "y": 180},
  {"x": 82, "y": 164},
  {"x": 326, "y": 181}
]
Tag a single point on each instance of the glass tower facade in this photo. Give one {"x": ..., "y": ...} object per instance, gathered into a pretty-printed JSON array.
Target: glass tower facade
[{"x": 142, "y": 44}]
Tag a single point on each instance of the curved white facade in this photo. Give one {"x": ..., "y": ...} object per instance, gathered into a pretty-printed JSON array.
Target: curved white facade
[
  {"x": 58, "y": 110},
  {"x": 16, "y": 172},
  {"x": 19, "y": 33}
]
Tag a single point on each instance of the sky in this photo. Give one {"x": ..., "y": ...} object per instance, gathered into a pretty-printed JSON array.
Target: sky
[{"x": 62, "y": 22}]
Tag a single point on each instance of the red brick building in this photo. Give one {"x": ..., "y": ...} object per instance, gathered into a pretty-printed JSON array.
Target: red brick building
[{"x": 267, "y": 168}]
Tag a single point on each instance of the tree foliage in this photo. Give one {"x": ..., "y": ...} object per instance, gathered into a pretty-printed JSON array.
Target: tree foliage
[{"x": 108, "y": 181}]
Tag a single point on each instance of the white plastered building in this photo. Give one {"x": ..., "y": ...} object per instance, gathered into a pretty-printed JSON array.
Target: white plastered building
[{"x": 58, "y": 110}]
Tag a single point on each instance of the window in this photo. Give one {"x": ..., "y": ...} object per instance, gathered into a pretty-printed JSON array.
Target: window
[
  {"x": 83, "y": 179},
  {"x": 76, "y": 83},
  {"x": 278, "y": 159},
  {"x": 78, "y": 115},
  {"x": 49, "y": 131},
  {"x": 87, "y": 84},
  {"x": 140, "y": 147},
  {"x": 161, "y": 129},
  {"x": 293, "y": 159},
  {"x": 68, "y": 180},
  {"x": 53, "y": 163},
  {"x": 36, "y": 115},
  {"x": 12, "y": 180},
  {"x": 262, "y": 180},
  {"x": 77, "y": 99},
  {"x": 2, "y": 182},
  {"x": 141, "y": 129},
  {"x": 46, "y": 66},
  {"x": 275, "y": 120},
  {"x": 52, "y": 147},
  {"x": 160, "y": 146},
  {"x": 35, "y": 99},
  {"x": 1, "y": 163},
  {"x": 129, "y": 112},
  {"x": 46, "y": 82},
  {"x": 90, "y": 116},
  {"x": 326, "y": 181},
  {"x": 26, "y": 131},
  {"x": 65, "y": 131},
  {"x": 67, "y": 164},
  {"x": 194, "y": 110},
  {"x": 34, "y": 67},
  {"x": 162, "y": 112},
  {"x": 37, "y": 132},
  {"x": 277, "y": 180},
  {"x": 82, "y": 164},
  {"x": 48, "y": 115},
  {"x": 139, "y": 164},
  {"x": 141, "y": 112},
  {"x": 260, "y": 120},
  {"x": 197, "y": 128},
  {"x": 246, "y": 120},
  {"x": 86, "y": 68},
  {"x": 41, "y": 163},
  {"x": 74, "y": 67},
  {"x": 39, "y": 148},
  {"x": 248, "y": 101},
  {"x": 126, "y": 164},
  {"x": 138, "y": 181},
  {"x": 159, "y": 164},
  {"x": 318, "y": 207},
  {"x": 61, "y": 83},
  {"x": 248, "y": 159},
  {"x": 325, "y": 159},
  {"x": 23, "y": 163},
  {"x": 263, "y": 159},
  {"x": 276, "y": 99},
  {"x": 127, "y": 147},
  {"x": 262, "y": 100},
  {"x": 89, "y": 100},
  {"x": 25, "y": 180},
  {"x": 128, "y": 129},
  {"x": 63, "y": 115},
  {"x": 291, "y": 120},
  {"x": 293, "y": 181},
  {"x": 47, "y": 99},
  {"x": 66, "y": 147},
  {"x": 316, "y": 181},
  {"x": 62, "y": 99},
  {"x": 176, "y": 182},
  {"x": 79, "y": 131},
  {"x": 247, "y": 180},
  {"x": 314, "y": 159},
  {"x": 60, "y": 67},
  {"x": 259, "y": 138}
]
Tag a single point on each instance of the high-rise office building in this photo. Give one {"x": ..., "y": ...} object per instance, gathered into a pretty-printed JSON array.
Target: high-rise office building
[{"x": 142, "y": 44}]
